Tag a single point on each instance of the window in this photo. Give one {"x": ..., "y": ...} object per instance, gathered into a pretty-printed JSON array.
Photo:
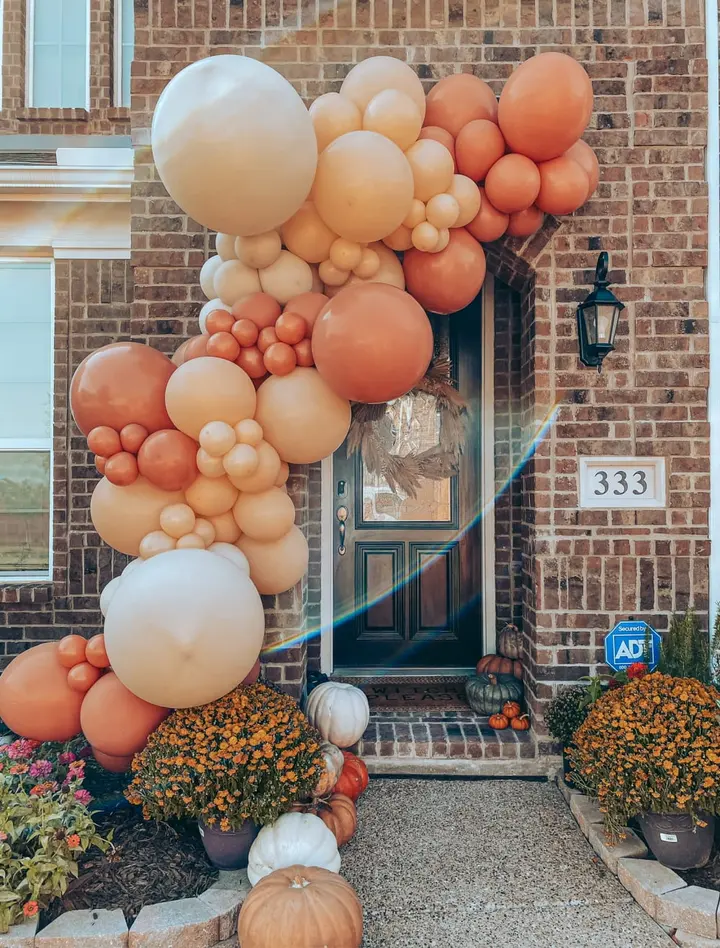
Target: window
[
  {"x": 58, "y": 54},
  {"x": 26, "y": 308},
  {"x": 124, "y": 49}
]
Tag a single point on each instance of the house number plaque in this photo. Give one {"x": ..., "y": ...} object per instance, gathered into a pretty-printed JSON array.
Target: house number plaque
[{"x": 622, "y": 483}]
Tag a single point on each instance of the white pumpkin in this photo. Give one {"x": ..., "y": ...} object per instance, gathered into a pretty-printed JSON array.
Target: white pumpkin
[
  {"x": 333, "y": 763},
  {"x": 339, "y": 711},
  {"x": 295, "y": 839}
]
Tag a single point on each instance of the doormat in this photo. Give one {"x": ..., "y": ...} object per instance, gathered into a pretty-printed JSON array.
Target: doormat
[{"x": 416, "y": 695}]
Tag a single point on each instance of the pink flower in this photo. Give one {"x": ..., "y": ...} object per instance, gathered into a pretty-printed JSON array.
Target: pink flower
[
  {"x": 41, "y": 768},
  {"x": 30, "y": 909},
  {"x": 67, "y": 757},
  {"x": 18, "y": 750},
  {"x": 82, "y": 796}
]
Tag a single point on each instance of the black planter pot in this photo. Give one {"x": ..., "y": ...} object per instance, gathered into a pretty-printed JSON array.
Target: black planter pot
[
  {"x": 676, "y": 841},
  {"x": 228, "y": 849}
]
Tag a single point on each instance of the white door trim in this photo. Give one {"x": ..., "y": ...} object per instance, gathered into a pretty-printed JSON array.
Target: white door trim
[{"x": 487, "y": 500}]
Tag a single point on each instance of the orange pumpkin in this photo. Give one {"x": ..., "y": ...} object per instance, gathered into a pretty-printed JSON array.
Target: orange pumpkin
[
  {"x": 498, "y": 721},
  {"x": 497, "y": 664},
  {"x": 521, "y": 724},
  {"x": 354, "y": 777},
  {"x": 511, "y": 710},
  {"x": 337, "y": 812}
]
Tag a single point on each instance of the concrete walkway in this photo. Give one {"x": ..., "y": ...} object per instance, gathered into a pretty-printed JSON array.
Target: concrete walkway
[{"x": 468, "y": 864}]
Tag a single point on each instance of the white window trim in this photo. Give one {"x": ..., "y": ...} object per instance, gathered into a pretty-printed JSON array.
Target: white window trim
[
  {"x": 118, "y": 63},
  {"x": 29, "y": 58},
  {"x": 38, "y": 444}
]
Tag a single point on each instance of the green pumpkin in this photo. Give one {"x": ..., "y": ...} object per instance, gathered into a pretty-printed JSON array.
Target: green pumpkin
[{"x": 486, "y": 694}]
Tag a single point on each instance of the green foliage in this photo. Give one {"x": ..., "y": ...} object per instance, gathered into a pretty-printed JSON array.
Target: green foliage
[
  {"x": 566, "y": 712},
  {"x": 686, "y": 651}
]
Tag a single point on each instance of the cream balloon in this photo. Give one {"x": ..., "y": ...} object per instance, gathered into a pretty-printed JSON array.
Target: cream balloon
[
  {"x": 226, "y": 530},
  {"x": 155, "y": 543},
  {"x": 416, "y": 215},
  {"x": 205, "y": 530},
  {"x": 234, "y": 281},
  {"x": 259, "y": 251},
  {"x": 369, "y": 264},
  {"x": 443, "y": 240},
  {"x": 317, "y": 286},
  {"x": 225, "y": 246},
  {"x": 231, "y": 553},
  {"x": 467, "y": 194},
  {"x": 234, "y": 144},
  {"x": 390, "y": 270},
  {"x": 432, "y": 169},
  {"x": 248, "y": 431},
  {"x": 207, "y": 276},
  {"x": 208, "y": 389},
  {"x": 331, "y": 276},
  {"x": 267, "y": 515},
  {"x": 301, "y": 417},
  {"x": 122, "y": 516},
  {"x": 177, "y": 519},
  {"x": 264, "y": 475},
  {"x": 282, "y": 477},
  {"x": 425, "y": 237},
  {"x": 307, "y": 235},
  {"x": 216, "y": 438},
  {"x": 288, "y": 276},
  {"x": 208, "y": 465},
  {"x": 185, "y": 629},
  {"x": 345, "y": 254},
  {"x": 106, "y": 596},
  {"x": 211, "y": 496},
  {"x": 191, "y": 541},
  {"x": 377, "y": 73},
  {"x": 278, "y": 565},
  {"x": 442, "y": 211},
  {"x": 241, "y": 461},
  {"x": 393, "y": 114},
  {"x": 333, "y": 115},
  {"x": 131, "y": 567},
  {"x": 208, "y": 308}
]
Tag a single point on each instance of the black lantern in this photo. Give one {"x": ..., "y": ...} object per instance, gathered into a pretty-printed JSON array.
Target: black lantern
[{"x": 598, "y": 318}]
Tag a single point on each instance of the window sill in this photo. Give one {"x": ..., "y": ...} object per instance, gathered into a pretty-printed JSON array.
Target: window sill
[
  {"x": 53, "y": 115},
  {"x": 119, "y": 114},
  {"x": 23, "y": 579}
]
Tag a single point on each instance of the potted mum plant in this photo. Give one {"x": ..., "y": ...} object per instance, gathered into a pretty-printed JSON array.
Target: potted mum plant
[
  {"x": 564, "y": 715},
  {"x": 651, "y": 750},
  {"x": 233, "y": 765}
]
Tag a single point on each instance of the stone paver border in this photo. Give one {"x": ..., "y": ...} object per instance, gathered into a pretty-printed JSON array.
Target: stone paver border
[
  {"x": 203, "y": 922},
  {"x": 691, "y": 914}
]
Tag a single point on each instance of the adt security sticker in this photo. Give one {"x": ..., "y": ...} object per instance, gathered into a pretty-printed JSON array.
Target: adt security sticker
[{"x": 626, "y": 644}]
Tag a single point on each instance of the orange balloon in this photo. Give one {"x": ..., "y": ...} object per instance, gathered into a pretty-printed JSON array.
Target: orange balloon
[
  {"x": 545, "y": 106},
  {"x": 264, "y": 475},
  {"x": 563, "y": 186},
  {"x": 307, "y": 236},
  {"x": 307, "y": 305},
  {"x": 132, "y": 437},
  {"x": 226, "y": 530},
  {"x": 100, "y": 464},
  {"x": 489, "y": 224},
  {"x": 459, "y": 99},
  {"x": 168, "y": 460},
  {"x": 207, "y": 390},
  {"x": 261, "y": 308},
  {"x": 280, "y": 358},
  {"x": 291, "y": 328},
  {"x": 82, "y": 677},
  {"x": 250, "y": 361},
  {"x": 223, "y": 345},
  {"x": 219, "y": 321},
  {"x": 122, "y": 469},
  {"x": 211, "y": 496},
  {"x": 115, "y": 721},
  {"x": 303, "y": 353},
  {"x": 246, "y": 332},
  {"x": 120, "y": 384},
  {"x": 438, "y": 134},
  {"x": 35, "y": 699},
  {"x": 479, "y": 145},
  {"x": 512, "y": 184},
  {"x": 114, "y": 765},
  {"x": 525, "y": 223},
  {"x": 448, "y": 281},
  {"x": 268, "y": 337},
  {"x": 124, "y": 515},
  {"x": 372, "y": 343},
  {"x": 196, "y": 348},
  {"x": 71, "y": 650},
  {"x": 104, "y": 441},
  {"x": 95, "y": 652},
  {"x": 277, "y": 565},
  {"x": 587, "y": 159}
]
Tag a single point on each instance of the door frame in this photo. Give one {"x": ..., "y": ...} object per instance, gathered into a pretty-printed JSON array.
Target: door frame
[{"x": 487, "y": 498}]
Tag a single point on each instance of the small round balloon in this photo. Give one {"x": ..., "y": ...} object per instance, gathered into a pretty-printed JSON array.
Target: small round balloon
[
  {"x": 377, "y": 73},
  {"x": 448, "y": 281},
  {"x": 167, "y": 460},
  {"x": 459, "y": 99},
  {"x": 267, "y": 515},
  {"x": 512, "y": 184},
  {"x": 432, "y": 168},
  {"x": 564, "y": 186},
  {"x": 525, "y": 223},
  {"x": 36, "y": 700},
  {"x": 587, "y": 159},
  {"x": 334, "y": 115},
  {"x": 479, "y": 145},
  {"x": 489, "y": 223}
]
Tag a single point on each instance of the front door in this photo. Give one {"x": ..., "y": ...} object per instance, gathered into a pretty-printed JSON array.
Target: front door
[{"x": 407, "y": 585}]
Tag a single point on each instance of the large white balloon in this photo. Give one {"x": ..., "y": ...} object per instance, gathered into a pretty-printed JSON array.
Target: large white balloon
[
  {"x": 207, "y": 275},
  {"x": 185, "y": 629},
  {"x": 234, "y": 145}
]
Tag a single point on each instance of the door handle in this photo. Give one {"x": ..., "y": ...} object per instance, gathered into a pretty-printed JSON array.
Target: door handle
[{"x": 342, "y": 515}]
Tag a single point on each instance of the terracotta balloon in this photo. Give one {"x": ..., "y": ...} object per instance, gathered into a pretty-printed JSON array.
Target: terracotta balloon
[
  {"x": 364, "y": 187},
  {"x": 184, "y": 629},
  {"x": 226, "y": 530},
  {"x": 264, "y": 475},
  {"x": 467, "y": 194},
  {"x": 120, "y": 384},
  {"x": 374, "y": 75},
  {"x": 114, "y": 765},
  {"x": 587, "y": 159},
  {"x": 223, "y": 345},
  {"x": 372, "y": 343},
  {"x": 259, "y": 251},
  {"x": 115, "y": 721},
  {"x": 100, "y": 464},
  {"x": 104, "y": 441},
  {"x": 71, "y": 650},
  {"x": 211, "y": 496},
  {"x": 301, "y": 416},
  {"x": 334, "y": 115},
  {"x": 251, "y": 362},
  {"x": 448, "y": 281},
  {"x": 393, "y": 114},
  {"x": 208, "y": 308},
  {"x": 459, "y": 99},
  {"x": 209, "y": 390},
  {"x": 280, "y": 358},
  {"x": 307, "y": 305},
  {"x": 438, "y": 134},
  {"x": 291, "y": 328},
  {"x": 512, "y": 184},
  {"x": 253, "y": 674},
  {"x": 121, "y": 469},
  {"x": 260, "y": 308},
  {"x": 307, "y": 235},
  {"x": 287, "y": 277},
  {"x": 234, "y": 144},
  {"x": 479, "y": 145},
  {"x": 489, "y": 223},
  {"x": 82, "y": 677},
  {"x": 95, "y": 652},
  {"x": 564, "y": 185},
  {"x": 132, "y": 437},
  {"x": 36, "y": 701},
  {"x": 207, "y": 276},
  {"x": 167, "y": 460},
  {"x": 267, "y": 337},
  {"x": 196, "y": 348},
  {"x": 234, "y": 281},
  {"x": 432, "y": 168},
  {"x": 267, "y": 515},
  {"x": 545, "y": 106},
  {"x": 124, "y": 515},
  {"x": 278, "y": 565},
  {"x": 525, "y": 223}
]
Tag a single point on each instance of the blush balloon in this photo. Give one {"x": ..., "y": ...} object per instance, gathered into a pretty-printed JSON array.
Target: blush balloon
[
  {"x": 489, "y": 223},
  {"x": 168, "y": 460},
  {"x": 104, "y": 441},
  {"x": 115, "y": 721},
  {"x": 307, "y": 235},
  {"x": 448, "y": 281},
  {"x": 196, "y": 348},
  {"x": 333, "y": 115},
  {"x": 587, "y": 159},
  {"x": 525, "y": 223},
  {"x": 132, "y": 437},
  {"x": 377, "y": 73},
  {"x": 248, "y": 432},
  {"x": 303, "y": 353},
  {"x": 211, "y": 496},
  {"x": 36, "y": 701},
  {"x": 479, "y": 145},
  {"x": 432, "y": 170},
  {"x": 251, "y": 361},
  {"x": 226, "y": 530},
  {"x": 71, "y": 650},
  {"x": 260, "y": 308},
  {"x": 307, "y": 305},
  {"x": 459, "y": 99},
  {"x": 122, "y": 469},
  {"x": 564, "y": 185},
  {"x": 467, "y": 194},
  {"x": 246, "y": 332},
  {"x": 264, "y": 475},
  {"x": 95, "y": 652},
  {"x": 82, "y": 677},
  {"x": 512, "y": 184},
  {"x": 280, "y": 358},
  {"x": 437, "y": 134},
  {"x": 267, "y": 515}
]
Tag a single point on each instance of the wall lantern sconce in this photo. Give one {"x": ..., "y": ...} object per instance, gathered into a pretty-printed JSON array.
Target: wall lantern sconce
[{"x": 597, "y": 317}]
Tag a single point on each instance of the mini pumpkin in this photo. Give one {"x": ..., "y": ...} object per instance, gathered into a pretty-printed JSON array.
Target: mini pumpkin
[
  {"x": 498, "y": 721},
  {"x": 510, "y": 642},
  {"x": 511, "y": 709},
  {"x": 496, "y": 664},
  {"x": 354, "y": 777},
  {"x": 339, "y": 711},
  {"x": 337, "y": 812},
  {"x": 521, "y": 724},
  {"x": 333, "y": 764},
  {"x": 486, "y": 694}
]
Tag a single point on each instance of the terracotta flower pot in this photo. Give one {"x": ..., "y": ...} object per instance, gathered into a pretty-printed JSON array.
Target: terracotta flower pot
[
  {"x": 228, "y": 849},
  {"x": 676, "y": 841}
]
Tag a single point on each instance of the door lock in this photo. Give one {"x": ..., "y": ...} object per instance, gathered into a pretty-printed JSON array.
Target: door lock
[{"x": 342, "y": 514}]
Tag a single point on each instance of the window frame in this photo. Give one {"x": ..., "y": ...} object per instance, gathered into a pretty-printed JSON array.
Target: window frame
[
  {"x": 118, "y": 60},
  {"x": 30, "y": 60},
  {"x": 39, "y": 445}
]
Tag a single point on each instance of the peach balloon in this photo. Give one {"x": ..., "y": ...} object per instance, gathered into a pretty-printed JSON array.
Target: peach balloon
[
  {"x": 283, "y": 475},
  {"x": 196, "y": 348},
  {"x": 287, "y": 277},
  {"x": 104, "y": 441},
  {"x": 278, "y": 565},
  {"x": 82, "y": 677},
  {"x": 512, "y": 184},
  {"x": 369, "y": 264},
  {"x": 185, "y": 629},
  {"x": 479, "y": 145},
  {"x": 443, "y": 210},
  {"x": 416, "y": 215},
  {"x": 234, "y": 281},
  {"x": 448, "y": 281},
  {"x": 253, "y": 674},
  {"x": 259, "y": 308},
  {"x": 71, "y": 650},
  {"x": 467, "y": 194},
  {"x": 95, "y": 652},
  {"x": 587, "y": 159},
  {"x": 113, "y": 765},
  {"x": 207, "y": 276},
  {"x": 209, "y": 390},
  {"x": 378, "y": 73},
  {"x": 264, "y": 475},
  {"x": 205, "y": 530},
  {"x": 216, "y": 438},
  {"x": 301, "y": 416},
  {"x": 259, "y": 251},
  {"x": 390, "y": 271},
  {"x": 525, "y": 223},
  {"x": 177, "y": 520},
  {"x": 489, "y": 223},
  {"x": 191, "y": 541},
  {"x": 333, "y": 115},
  {"x": 248, "y": 432},
  {"x": 132, "y": 437},
  {"x": 371, "y": 343},
  {"x": 307, "y": 305},
  {"x": 401, "y": 238},
  {"x": 121, "y": 469},
  {"x": 344, "y": 254},
  {"x": 364, "y": 186},
  {"x": 332, "y": 275},
  {"x": 425, "y": 237},
  {"x": 564, "y": 185},
  {"x": 36, "y": 700},
  {"x": 208, "y": 465},
  {"x": 225, "y": 246},
  {"x": 459, "y": 99},
  {"x": 241, "y": 461},
  {"x": 211, "y": 496},
  {"x": 234, "y": 144},
  {"x": 393, "y": 114},
  {"x": 438, "y": 134},
  {"x": 168, "y": 460},
  {"x": 226, "y": 530},
  {"x": 443, "y": 240},
  {"x": 307, "y": 235},
  {"x": 267, "y": 515},
  {"x": 155, "y": 543},
  {"x": 117, "y": 722},
  {"x": 545, "y": 106},
  {"x": 432, "y": 168},
  {"x": 120, "y": 384},
  {"x": 124, "y": 515}
]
